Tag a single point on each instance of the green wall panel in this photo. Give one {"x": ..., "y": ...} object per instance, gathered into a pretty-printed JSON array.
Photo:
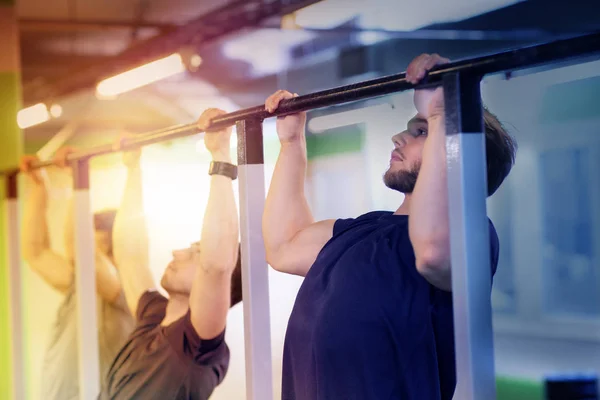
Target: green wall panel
[
  {"x": 347, "y": 139},
  {"x": 574, "y": 100}
]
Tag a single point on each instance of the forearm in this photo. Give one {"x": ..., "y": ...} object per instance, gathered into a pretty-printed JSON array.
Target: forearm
[
  {"x": 108, "y": 285},
  {"x": 211, "y": 290},
  {"x": 54, "y": 269},
  {"x": 286, "y": 208},
  {"x": 220, "y": 230},
  {"x": 34, "y": 232},
  {"x": 428, "y": 222},
  {"x": 130, "y": 241}
]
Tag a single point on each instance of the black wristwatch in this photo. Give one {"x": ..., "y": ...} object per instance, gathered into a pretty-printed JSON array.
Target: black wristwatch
[{"x": 223, "y": 168}]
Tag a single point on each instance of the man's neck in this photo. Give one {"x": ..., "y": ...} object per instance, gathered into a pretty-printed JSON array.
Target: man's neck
[
  {"x": 404, "y": 209},
  {"x": 177, "y": 306}
]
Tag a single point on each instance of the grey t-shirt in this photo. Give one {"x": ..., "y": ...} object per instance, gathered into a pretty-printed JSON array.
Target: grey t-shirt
[
  {"x": 60, "y": 369},
  {"x": 165, "y": 362}
]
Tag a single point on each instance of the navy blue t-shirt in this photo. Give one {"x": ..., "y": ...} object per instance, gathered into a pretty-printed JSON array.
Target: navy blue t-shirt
[{"x": 366, "y": 325}]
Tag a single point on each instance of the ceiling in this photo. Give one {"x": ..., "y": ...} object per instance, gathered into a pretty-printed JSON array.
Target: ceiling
[
  {"x": 248, "y": 50},
  {"x": 63, "y": 35}
]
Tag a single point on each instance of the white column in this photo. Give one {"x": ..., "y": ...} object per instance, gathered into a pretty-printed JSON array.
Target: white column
[
  {"x": 255, "y": 279},
  {"x": 85, "y": 281},
  {"x": 11, "y": 205},
  {"x": 469, "y": 239}
]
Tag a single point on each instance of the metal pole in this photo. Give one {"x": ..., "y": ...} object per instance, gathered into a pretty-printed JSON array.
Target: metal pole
[
  {"x": 14, "y": 269},
  {"x": 255, "y": 274},
  {"x": 85, "y": 280},
  {"x": 469, "y": 238}
]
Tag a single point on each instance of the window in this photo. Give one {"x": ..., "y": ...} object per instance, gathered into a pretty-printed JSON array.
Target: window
[{"x": 570, "y": 270}]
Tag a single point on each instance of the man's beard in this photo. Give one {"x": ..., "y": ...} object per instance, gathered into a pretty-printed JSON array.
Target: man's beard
[{"x": 402, "y": 181}]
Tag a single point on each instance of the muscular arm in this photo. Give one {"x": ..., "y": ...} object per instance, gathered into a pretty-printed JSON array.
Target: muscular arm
[
  {"x": 130, "y": 241},
  {"x": 292, "y": 238},
  {"x": 428, "y": 225},
  {"x": 57, "y": 271},
  {"x": 211, "y": 289},
  {"x": 428, "y": 222}
]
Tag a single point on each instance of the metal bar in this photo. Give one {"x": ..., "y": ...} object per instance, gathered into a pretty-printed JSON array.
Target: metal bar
[
  {"x": 512, "y": 60},
  {"x": 14, "y": 287},
  {"x": 469, "y": 238},
  {"x": 85, "y": 281},
  {"x": 255, "y": 274}
]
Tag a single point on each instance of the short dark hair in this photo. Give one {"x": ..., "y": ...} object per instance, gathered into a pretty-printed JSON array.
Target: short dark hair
[
  {"x": 500, "y": 151},
  {"x": 236, "y": 281},
  {"x": 104, "y": 221}
]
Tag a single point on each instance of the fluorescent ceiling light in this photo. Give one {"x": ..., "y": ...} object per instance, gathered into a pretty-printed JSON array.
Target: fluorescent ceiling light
[
  {"x": 141, "y": 76},
  {"x": 33, "y": 115}
]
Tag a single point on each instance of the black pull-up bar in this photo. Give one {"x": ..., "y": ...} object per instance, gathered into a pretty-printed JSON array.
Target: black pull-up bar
[{"x": 511, "y": 60}]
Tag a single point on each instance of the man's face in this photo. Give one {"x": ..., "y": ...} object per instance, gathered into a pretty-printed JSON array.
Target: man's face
[
  {"x": 179, "y": 275},
  {"x": 405, "y": 160}
]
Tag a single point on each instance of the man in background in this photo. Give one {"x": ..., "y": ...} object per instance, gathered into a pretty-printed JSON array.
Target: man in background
[
  {"x": 178, "y": 350},
  {"x": 115, "y": 322}
]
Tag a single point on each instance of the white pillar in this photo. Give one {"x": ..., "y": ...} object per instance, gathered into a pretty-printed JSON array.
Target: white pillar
[
  {"x": 11, "y": 204},
  {"x": 85, "y": 281},
  {"x": 255, "y": 278}
]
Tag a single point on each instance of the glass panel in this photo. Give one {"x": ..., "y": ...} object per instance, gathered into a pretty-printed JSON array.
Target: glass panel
[
  {"x": 500, "y": 212},
  {"x": 569, "y": 272}
]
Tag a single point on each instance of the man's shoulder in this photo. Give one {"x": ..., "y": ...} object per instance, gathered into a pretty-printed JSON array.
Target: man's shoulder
[
  {"x": 151, "y": 303},
  {"x": 373, "y": 215},
  {"x": 370, "y": 217}
]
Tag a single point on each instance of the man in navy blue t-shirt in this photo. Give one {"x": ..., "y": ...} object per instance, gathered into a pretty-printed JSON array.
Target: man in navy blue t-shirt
[{"x": 373, "y": 318}]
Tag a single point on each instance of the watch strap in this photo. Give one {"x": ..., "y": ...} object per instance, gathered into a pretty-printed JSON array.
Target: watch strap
[{"x": 223, "y": 168}]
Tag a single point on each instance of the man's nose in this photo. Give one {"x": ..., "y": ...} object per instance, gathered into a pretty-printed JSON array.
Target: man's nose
[{"x": 399, "y": 140}]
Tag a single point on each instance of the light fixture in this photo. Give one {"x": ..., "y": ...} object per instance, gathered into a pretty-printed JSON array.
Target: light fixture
[
  {"x": 195, "y": 61},
  {"x": 141, "y": 76},
  {"x": 56, "y": 110},
  {"x": 33, "y": 115}
]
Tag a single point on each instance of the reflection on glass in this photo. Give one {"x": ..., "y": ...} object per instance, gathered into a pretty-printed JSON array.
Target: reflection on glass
[
  {"x": 569, "y": 274},
  {"x": 500, "y": 212}
]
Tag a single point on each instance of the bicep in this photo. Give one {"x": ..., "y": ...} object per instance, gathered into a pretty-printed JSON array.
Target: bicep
[
  {"x": 210, "y": 302},
  {"x": 56, "y": 270},
  {"x": 134, "y": 280},
  {"x": 440, "y": 276},
  {"x": 108, "y": 285},
  {"x": 298, "y": 255}
]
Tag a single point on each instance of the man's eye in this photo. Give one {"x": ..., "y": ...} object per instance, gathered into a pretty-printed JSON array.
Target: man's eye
[{"x": 421, "y": 132}]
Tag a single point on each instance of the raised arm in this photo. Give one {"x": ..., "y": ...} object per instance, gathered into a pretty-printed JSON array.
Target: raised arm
[
  {"x": 57, "y": 271},
  {"x": 218, "y": 248},
  {"x": 108, "y": 285},
  {"x": 292, "y": 238},
  {"x": 130, "y": 236},
  {"x": 428, "y": 222}
]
